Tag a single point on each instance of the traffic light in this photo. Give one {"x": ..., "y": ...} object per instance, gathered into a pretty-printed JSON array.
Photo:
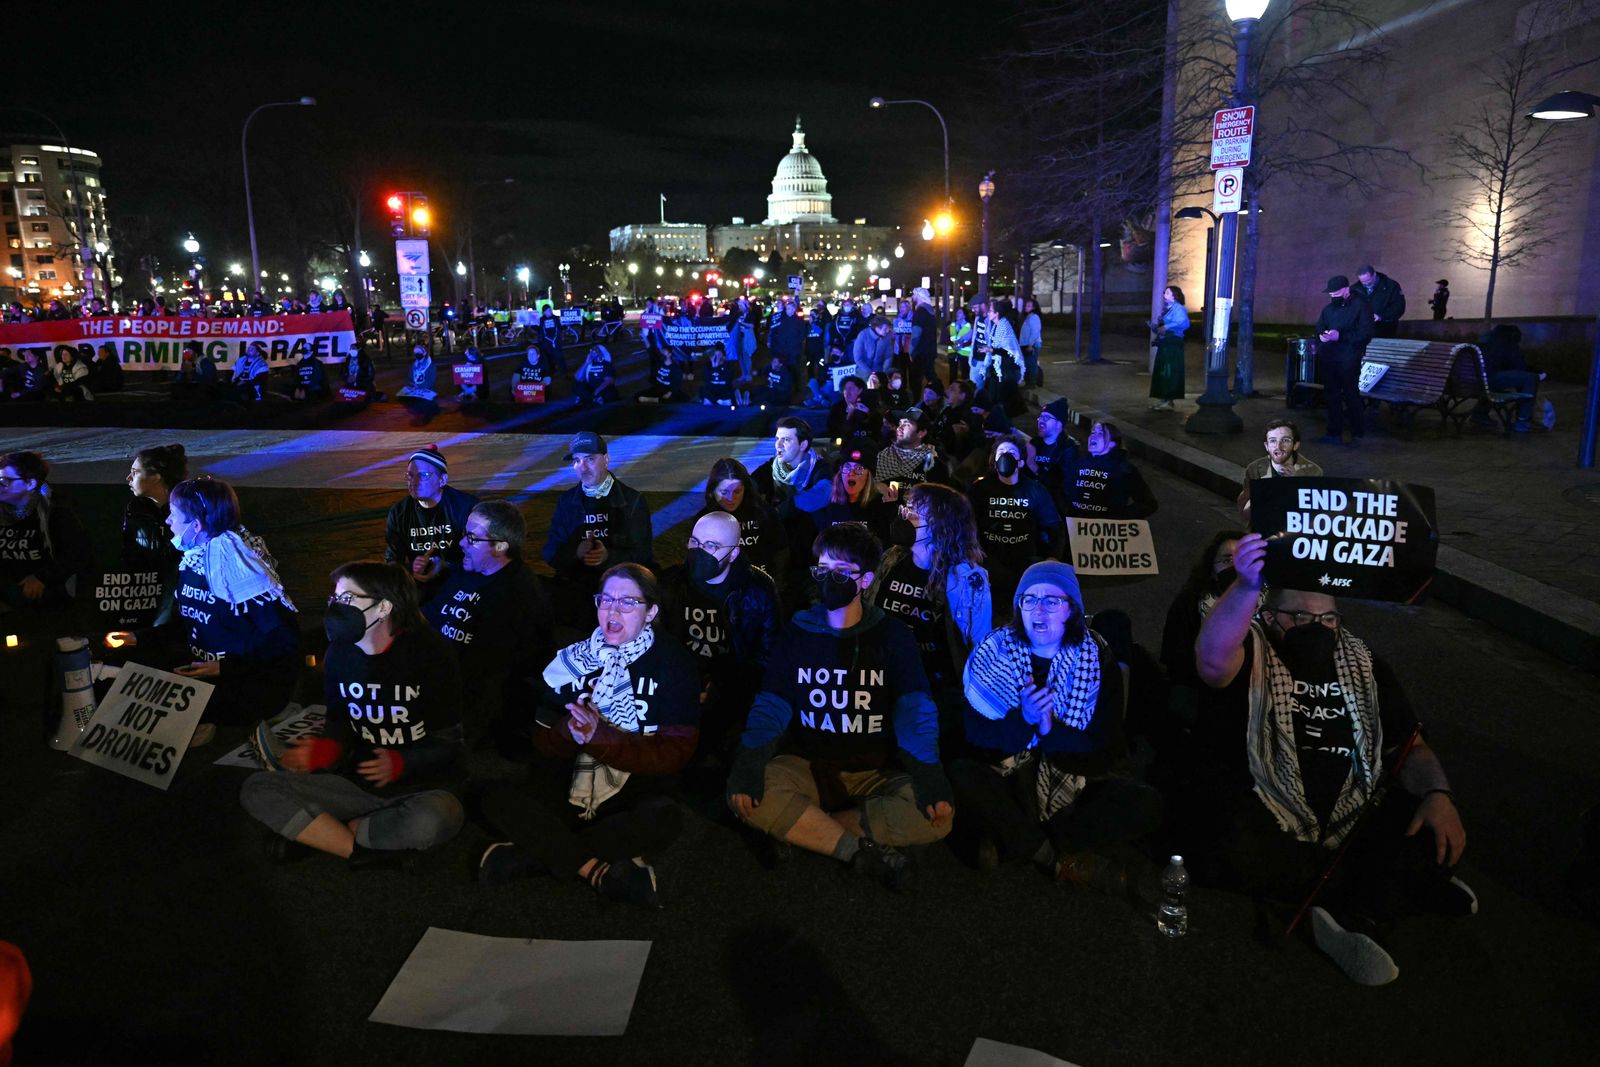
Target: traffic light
[
  {"x": 421, "y": 217},
  {"x": 397, "y": 214}
]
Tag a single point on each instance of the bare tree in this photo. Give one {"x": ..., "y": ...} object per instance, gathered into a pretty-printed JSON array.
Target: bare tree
[{"x": 1505, "y": 170}]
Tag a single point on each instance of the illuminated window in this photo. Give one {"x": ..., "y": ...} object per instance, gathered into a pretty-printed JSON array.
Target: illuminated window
[
  {"x": 47, "y": 276},
  {"x": 38, "y": 227}
]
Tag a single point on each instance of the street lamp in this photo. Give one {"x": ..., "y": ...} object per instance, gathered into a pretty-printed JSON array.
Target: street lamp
[
  {"x": 461, "y": 269},
  {"x": 191, "y": 246},
  {"x": 1216, "y": 414},
  {"x": 899, "y": 251},
  {"x": 944, "y": 276},
  {"x": 1197, "y": 212},
  {"x": 364, "y": 259},
  {"x": 759, "y": 272},
  {"x": 927, "y": 230},
  {"x": 1570, "y": 107},
  {"x": 244, "y": 155},
  {"x": 985, "y": 193}
]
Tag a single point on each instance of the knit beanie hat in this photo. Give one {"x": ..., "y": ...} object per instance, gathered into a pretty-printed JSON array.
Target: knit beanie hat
[
  {"x": 432, "y": 455},
  {"x": 1056, "y": 573}
]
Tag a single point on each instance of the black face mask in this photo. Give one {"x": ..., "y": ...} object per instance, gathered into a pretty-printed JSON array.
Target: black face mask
[
  {"x": 1308, "y": 649},
  {"x": 1220, "y": 580},
  {"x": 1005, "y": 464},
  {"x": 836, "y": 590},
  {"x": 702, "y": 566},
  {"x": 902, "y": 533},
  {"x": 345, "y": 624}
]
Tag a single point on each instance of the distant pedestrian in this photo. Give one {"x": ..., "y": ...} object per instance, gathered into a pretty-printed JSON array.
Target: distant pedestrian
[
  {"x": 1440, "y": 299},
  {"x": 1385, "y": 298},
  {"x": 1343, "y": 330},
  {"x": 1031, "y": 338},
  {"x": 1166, "y": 383}
]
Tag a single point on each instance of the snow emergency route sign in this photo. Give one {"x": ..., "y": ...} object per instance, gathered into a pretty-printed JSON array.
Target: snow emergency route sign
[{"x": 1231, "y": 130}]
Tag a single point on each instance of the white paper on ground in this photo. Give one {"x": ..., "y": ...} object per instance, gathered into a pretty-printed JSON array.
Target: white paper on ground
[
  {"x": 986, "y": 1053},
  {"x": 474, "y": 984},
  {"x": 292, "y": 723}
]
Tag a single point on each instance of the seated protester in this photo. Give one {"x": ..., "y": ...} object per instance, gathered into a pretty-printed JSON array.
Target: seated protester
[
  {"x": 422, "y": 382},
  {"x": 495, "y": 611},
  {"x": 45, "y": 557},
  {"x": 72, "y": 378},
  {"x": 1283, "y": 460},
  {"x": 934, "y": 581},
  {"x": 595, "y": 382},
  {"x": 778, "y": 391},
  {"x": 856, "y": 499},
  {"x": 597, "y": 524},
  {"x": 31, "y": 381},
  {"x": 957, "y": 429},
  {"x": 763, "y": 540},
  {"x": 852, "y": 422},
  {"x": 234, "y": 626},
  {"x": 534, "y": 368},
  {"x": 1053, "y": 455},
  {"x": 725, "y": 612},
  {"x": 666, "y": 377},
  {"x": 1018, "y": 523},
  {"x": 471, "y": 394},
  {"x": 423, "y": 529},
  {"x": 392, "y": 745},
  {"x": 889, "y": 392},
  {"x": 1322, "y": 718},
  {"x": 146, "y": 542},
  {"x": 617, "y": 720},
  {"x": 846, "y": 696},
  {"x": 909, "y": 459},
  {"x": 1106, "y": 484},
  {"x": 250, "y": 374},
  {"x": 310, "y": 378},
  {"x": 1045, "y": 779},
  {"x": 721, "y": 373},
  {"x": 359, "y": 373},
  {"x": 795, "y": 485}
]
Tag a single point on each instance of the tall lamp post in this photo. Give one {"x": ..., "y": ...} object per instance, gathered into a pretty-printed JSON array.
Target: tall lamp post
[
  {"x": 192, "y": 246},
  {"x": 1216, "y": 414},
  {"x": 1571, "y": 107},
  {"x": 944, "y": 276},
  {"x": 985, "y": 193},
  {"x": 244, "y": 155}
]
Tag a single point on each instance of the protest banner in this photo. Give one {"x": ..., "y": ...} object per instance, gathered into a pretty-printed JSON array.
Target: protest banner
[
  {"x": 468, "y": 373},
  {"x": 142, "y": 728},
  {"x": 1370, "y": 374},
  {"x": 1346, "y": 536},
  {"x": 346, "y": 395},
  {"x": 1111, "y": 546},
  {"x": 685, "y": 333},
  {"x": 572, "y": 316},
  {"x": 127, "y": 600},
  {"x": 298, "y": 723},
  {"x": 840, "y": 373},
  {"x": 156, "y": 342},
  {"x": 527, "y": 392}
]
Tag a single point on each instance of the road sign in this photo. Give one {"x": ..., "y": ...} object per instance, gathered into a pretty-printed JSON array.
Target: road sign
[
  {"x": 1231, "y": 131},
  {"x": 411, "y": 262},
  {"x": 1227, "y": 196},
  {"x": 416, "y": 318}
]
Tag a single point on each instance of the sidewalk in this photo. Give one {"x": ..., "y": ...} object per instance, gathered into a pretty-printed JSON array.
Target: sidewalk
[{"x": 1519, "y": 521}]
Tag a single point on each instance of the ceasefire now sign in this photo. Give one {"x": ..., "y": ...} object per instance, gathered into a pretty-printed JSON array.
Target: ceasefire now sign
[{"x": 1231, "y": 131}]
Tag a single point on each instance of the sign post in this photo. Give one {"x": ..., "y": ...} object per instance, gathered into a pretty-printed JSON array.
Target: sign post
[
  {"x": 1227, "y": 195},
  {"x": 416, "y": 290}
]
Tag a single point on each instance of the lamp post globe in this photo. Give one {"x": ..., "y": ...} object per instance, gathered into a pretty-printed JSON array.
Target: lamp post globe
[{"x": 190, "y": 245}]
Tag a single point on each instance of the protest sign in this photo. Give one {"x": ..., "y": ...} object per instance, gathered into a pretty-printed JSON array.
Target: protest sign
[
  {"x": 468, "y": 373},
  {"x": 1346, "y": 536},
  {"x": 299, "y": 722},
  {"x": 142, "y": 728},
  {"x": 1370, "y": 373},
  {"x": 684, "y": 333},
  {"x": 840, "y": 373},
  {"x": 572, "y": 316},
  {"x": 902, "y": 326},
  {"x": 127, "y": 600},
  {"x": 1112, "y": 546},
  {"x": 650, "y": 321},
  {"x": 528, "y": 392},
  {"x": 156, "y": 342},
  {"x": 346, "y": 395}
]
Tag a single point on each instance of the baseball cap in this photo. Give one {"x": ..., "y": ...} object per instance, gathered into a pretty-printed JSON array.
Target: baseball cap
[
  {"x": 588, "y": 443},
  {"x": 915, "y": 415},
  {"x": 1337, "y": 282}
]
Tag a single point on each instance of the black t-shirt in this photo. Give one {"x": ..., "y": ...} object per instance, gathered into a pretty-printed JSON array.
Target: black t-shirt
[
  {"x": 498, "y": 622},
  {"x": 1008, "y": 521},
  {"x": 21, "y": 548},
  {"x": 702, "y": 625},
  {"x": 666, "y": 686},
  {"x": 428, "y": 529},
  {"x": 599, "y": 369},
  {"x": 403, "y": 698},
  {"x": 904, "y": 596}
]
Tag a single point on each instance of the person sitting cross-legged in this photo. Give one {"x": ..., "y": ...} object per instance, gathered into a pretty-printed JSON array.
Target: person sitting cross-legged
[{"x": 860, "y": 779}]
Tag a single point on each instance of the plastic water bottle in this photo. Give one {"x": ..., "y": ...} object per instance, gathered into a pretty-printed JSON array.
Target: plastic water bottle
[{"x": 1172, "y": 918}]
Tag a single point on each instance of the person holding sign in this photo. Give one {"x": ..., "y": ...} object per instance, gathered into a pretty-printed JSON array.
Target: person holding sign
[
  {"x": 846, "y": 694},
  {"x": 597, "y": 524},
  {"x": 422, "y": 382},
  {"x": 422, "y": 531},
  {"x": 1322, "y": 717},
  {"x": 1018, "y": 523},
  {"x": 234, "y": 625},
  {"x": 1045, "y": 777},
  {"x": 1283, "y": 460},
  {"x": 1106, "y": 484},
  {"x": 393, "y": 743},
  {"x": 1343, "y": 330},
  {"x": 618, "y": 718}
]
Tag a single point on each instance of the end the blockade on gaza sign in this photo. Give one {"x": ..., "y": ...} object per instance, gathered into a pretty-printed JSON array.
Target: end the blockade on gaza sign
[{"x": 1346, "y": 536}]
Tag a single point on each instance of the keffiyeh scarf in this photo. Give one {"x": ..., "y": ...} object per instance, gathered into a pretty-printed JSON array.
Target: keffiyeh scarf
[
  {"x": 1003, "y": 663},
  {"x": 238, "y": 568},
  {"x": 593, "y": 783},
  {"x": 1274, "y": 756}
]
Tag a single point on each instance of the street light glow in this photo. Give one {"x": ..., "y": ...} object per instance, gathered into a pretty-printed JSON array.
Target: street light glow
[
  {"x": 899, "y": 251},
  {"x": 633, "y": 268},
  {"x": 1565, "y": 107},
  {"x": 759, "y": 272},
  {"x": 329, "y": 285},
  {"x": 364, "y": 259},
  {"x": 461, "y": 269},
  {"x": 523, "y": 274},
  {"x": 190, "y": 245},
  {"x": 1243, "y": 10},
  {"x": 235, "y": 268},
  {"x": 927, "y": 230},
  {"x": 944, "y": 222},
  {"x": 660, "y": 270}
]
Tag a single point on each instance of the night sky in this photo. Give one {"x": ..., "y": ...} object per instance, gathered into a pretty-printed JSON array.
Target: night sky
[{"x": 592, "y": 108}]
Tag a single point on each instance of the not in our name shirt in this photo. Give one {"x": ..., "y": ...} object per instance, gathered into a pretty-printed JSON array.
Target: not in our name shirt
[
  {"x": 702, "y": 626},
  {"x": 666, "y": 686},
  {"x": 407, "y": 697},
  {"x": 904, "y": 595},
  {"x": 21, "y": 548}
]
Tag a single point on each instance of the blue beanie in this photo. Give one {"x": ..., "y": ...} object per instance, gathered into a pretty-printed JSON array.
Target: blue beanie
[{"x": 1053, "y": 572}]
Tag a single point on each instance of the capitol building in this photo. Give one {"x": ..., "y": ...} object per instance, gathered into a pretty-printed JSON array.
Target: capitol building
[{"x": 800, "y": 225}]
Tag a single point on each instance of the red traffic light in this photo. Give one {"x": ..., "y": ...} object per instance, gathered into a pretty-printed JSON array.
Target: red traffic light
[{"x": 396, "y": 202}]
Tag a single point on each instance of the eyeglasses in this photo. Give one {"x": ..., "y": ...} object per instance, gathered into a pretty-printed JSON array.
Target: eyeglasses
[
  {"x": 419, "y": 476},
  {"x": 822, "y": 574},
  {"x": 346, "y": 598},
  {"x": 710, "y": 546},
  {"x": 470, "y": 539},
  {"x": 7, "y": 481},
  {"x": 624, "y": 604},
  {"x": 1329, "y": 619},
  {"x": 1047, "y": 604}
]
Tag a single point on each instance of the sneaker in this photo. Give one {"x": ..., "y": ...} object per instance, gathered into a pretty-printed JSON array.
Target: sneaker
[
  {"x": 629, "y": 881},
  {"x": 1362, "y": 959},
  {"x": 1091, "y": 871},
  {"x": 265, "y": 744},
  {"x": 884, "y": 864},
  {"x": 503, "y": 862},
  {"x": 1452, "y": 897},
  {"x": 204, "y": 734}
]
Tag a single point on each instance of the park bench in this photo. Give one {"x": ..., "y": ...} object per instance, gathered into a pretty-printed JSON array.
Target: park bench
[
  {"x": 1469, "y": 381},
  {"x": 1422, "y": 374}
]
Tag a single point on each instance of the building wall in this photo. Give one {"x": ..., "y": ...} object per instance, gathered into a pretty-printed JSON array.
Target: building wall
[
  {"x": 806, "y": 241},
  {"x": 1435, "y": 79},
  {"x": 37, "y": 183},
  {"x": 682, "y": 241}
]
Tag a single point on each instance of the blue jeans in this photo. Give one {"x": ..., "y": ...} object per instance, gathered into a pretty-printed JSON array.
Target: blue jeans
[
  {"x": 1517, "y": 381},
  {"x": 288, "y": 802}
]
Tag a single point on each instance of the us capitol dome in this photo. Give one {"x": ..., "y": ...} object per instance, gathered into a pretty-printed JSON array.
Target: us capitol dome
[{"x": 799, "y": 190}]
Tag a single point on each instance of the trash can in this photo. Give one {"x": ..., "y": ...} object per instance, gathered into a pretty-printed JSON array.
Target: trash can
[{"x": 1299, "y": 366}]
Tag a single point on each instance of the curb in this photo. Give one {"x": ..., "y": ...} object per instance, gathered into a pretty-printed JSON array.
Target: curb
[{"x": 1550, "y": 619}]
